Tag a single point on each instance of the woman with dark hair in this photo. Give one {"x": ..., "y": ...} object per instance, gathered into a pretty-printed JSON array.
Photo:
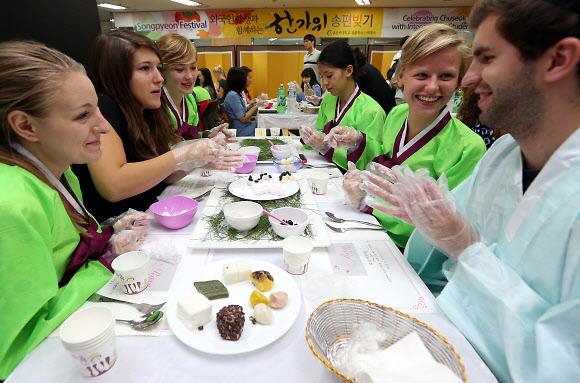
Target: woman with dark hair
[
  {"x": 249, "y": 79},
  {"x": 344, "y": 104},
  {"x": 236, "y": 108},
  {"x": 222, "y": 89},
  {"x": 309, "y": 85},
  {"x": 137, "y": 161},
  {"x": 54, "y": 255},
  {"x": 206, "y": 81}
]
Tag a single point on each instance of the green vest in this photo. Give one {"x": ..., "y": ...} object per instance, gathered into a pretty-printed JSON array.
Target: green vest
[
  {"x": 38, "y": 238},
  {"x": 365, "y": 115},
  {"x": 455, "y": 151}
]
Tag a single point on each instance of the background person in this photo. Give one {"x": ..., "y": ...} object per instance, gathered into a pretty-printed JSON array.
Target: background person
[
  {"x": 311, "y": 55},
  {"x": 206, "y": 81},
  {"x": 238, "y": 112},
  {"x": 309, "y": 85}
]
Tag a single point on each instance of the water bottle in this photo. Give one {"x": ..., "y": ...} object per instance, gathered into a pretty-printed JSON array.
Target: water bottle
[
  {"x": 281, "y": 107},
  {"x": 291, "y": 99},
  {"x": 457, "y": 99}
]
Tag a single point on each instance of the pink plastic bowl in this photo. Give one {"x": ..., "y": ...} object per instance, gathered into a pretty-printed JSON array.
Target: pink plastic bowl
[
  {"x": 249, "y": 164},
  {"x": 174, "y": 212}
]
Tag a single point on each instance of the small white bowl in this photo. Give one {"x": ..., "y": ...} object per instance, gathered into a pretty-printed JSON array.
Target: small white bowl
[
  {"x": 297, "y": 216},
  {"x": 243, "y": 215}
]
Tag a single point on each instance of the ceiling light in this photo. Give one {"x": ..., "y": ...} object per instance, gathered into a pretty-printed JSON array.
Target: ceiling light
[
  {"x": 362, "y": 2},
  {"x": 111, "y": 6},
  {"x": 187, "y": 2}
]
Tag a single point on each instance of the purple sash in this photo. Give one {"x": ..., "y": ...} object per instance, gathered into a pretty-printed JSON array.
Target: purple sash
[
  {"x": 92, "y": 245},
  {"x": 338, "y": 115},
  {"x": 396, "y": 159},
  {"x": 184, "y": 129}
]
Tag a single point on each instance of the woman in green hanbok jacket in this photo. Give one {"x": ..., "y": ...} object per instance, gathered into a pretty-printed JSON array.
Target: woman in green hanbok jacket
[
  {"x": 420, "y": 133},
  {"x": 53, "y": 254},
  {"x": 344, "y": 105}
]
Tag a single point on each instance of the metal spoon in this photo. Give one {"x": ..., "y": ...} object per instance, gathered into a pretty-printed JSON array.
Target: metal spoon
[
  {"x": 144, "y": 324},
  {"x": 334, "y": 218}
]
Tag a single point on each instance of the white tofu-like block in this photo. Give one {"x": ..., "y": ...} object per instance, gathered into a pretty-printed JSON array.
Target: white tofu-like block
[
  {"x": 237, "y": 271},
  {"x": 194, "y": 311}
]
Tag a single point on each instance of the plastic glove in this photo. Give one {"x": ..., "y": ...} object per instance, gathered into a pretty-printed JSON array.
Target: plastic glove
[
  {"x": 419, "y": 200},
  {"x": 127, "y": 240},
  {"x": 132, "y": 219},
  {"x": 344, "y": 136},
  {"x": 314, "y": 138},
  {"x": 315, "y": 100},
  {"x": 308, "y": 91},
  {"x": 222, "y": 129},
  {"x": 199, "y": 153},
  {"x": 352, "y": 185},
  {"x": 228, "y": 161}
]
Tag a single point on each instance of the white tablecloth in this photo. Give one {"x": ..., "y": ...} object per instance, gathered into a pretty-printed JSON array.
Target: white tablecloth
[
  {"x": 286, "y": 120},
  {"x": 165, "y": 359}
]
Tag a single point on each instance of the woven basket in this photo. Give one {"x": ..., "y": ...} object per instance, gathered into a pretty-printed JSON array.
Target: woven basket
[{"x": 330, "y": 326}]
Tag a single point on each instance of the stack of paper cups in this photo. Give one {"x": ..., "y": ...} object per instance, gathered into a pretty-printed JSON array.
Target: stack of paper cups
[{"x": 89, "y": 336}]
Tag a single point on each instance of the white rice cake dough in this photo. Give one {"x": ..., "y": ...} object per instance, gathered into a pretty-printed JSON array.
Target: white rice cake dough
[
  {"x": 236, "y": 271},
  {"x": 194, "y": 311}
]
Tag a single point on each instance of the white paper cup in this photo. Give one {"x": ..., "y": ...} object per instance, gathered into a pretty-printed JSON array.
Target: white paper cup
[
  {"x": 132, "y": 268},
  {"x": 89, "y": 336},
  {"x": 319, "y": 182},
  {"x": 260, "y": 132},
  {"x": 274, "y": 131},
  {"x": 296, "y": 251}
]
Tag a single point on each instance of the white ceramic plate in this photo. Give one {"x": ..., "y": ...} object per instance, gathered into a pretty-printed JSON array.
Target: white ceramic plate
[
  {"x": 240, "y": 188},
  {"x": 254, "y": 336}
]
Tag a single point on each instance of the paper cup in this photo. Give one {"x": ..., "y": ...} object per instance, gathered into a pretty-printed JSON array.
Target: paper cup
[
  {"x": 260, "y": 132},
  {"x": 296, "y": 252},
  {"x": 319, "y": 182},
  {"x": 132, "y": 268},
  {"x": 274, "y": 131},
  {"x": 89, "y": 336}
]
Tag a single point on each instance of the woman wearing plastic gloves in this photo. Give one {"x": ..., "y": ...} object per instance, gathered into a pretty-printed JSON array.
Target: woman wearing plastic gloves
[
  {"x": 344, "y": 105},
  {"x": 54, "y": 255},
  {"x": 137, "y": 163},
  {"x": 180, "y": 73},
  {"x": 421, "y": 133}
]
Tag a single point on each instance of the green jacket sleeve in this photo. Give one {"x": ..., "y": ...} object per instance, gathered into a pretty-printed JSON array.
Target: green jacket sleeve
[{"x": 31, "y": 301}]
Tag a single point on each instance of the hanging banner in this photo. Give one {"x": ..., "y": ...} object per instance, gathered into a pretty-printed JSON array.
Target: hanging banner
[
  {"x": 292, "y": 22},
  {"x": 264, "y": 23},
  {"x": 400, "y": 22}
]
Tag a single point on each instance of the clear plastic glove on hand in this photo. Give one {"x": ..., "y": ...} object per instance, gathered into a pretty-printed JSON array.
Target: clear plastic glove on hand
[
  {"x": 308, "y": 91},
  {"x": 199, "y": 153},
  {"x": 221, "y": 133},
  {"x": 352, "y": 185},
  {"x": 228, "y": 161},
  {"x": 419, "y": 200},
  {"x": 315, "y": 100},
  {"x": 344, "y": 136},
  {"x": 314, "y": 138},
  {"x": 132, "y": 219},
  {"x": 127, "y": 240}
]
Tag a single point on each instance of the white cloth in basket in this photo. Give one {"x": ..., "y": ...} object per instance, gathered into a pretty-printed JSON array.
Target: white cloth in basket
[{"x": 406, "y": 361}]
